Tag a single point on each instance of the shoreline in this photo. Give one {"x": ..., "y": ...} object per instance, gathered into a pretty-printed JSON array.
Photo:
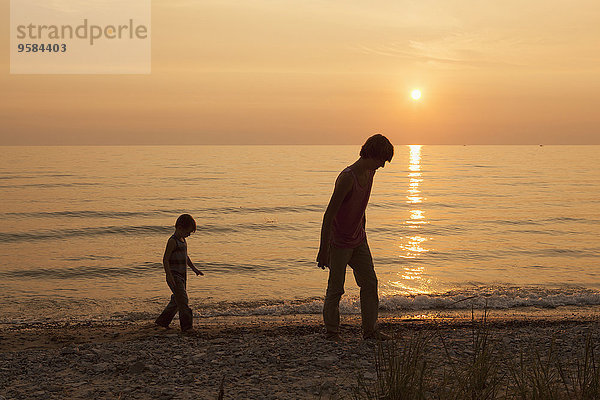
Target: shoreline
[
  {"x": 257, "y": 357},
  {"x": 52, "y": 334}
]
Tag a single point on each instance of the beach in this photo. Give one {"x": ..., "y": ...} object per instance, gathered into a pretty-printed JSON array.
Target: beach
[{"x": 256, "y": 357}]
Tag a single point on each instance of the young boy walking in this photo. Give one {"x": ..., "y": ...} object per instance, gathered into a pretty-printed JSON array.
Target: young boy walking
[
  {"x": 344, "y": 240},
  {"x": 175, "y": 262}
]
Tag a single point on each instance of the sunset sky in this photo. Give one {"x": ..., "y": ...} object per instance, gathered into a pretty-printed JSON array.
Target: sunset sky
[{"x": 330, "y": 72}]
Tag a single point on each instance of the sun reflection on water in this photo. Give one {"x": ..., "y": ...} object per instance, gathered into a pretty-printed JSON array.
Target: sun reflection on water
[
  {"x": 411, "y": 279},
  {"x": 413, "y": 246}
]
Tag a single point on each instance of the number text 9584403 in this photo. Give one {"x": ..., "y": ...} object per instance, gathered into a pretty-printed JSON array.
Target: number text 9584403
[{"x": 42, "y": 48}]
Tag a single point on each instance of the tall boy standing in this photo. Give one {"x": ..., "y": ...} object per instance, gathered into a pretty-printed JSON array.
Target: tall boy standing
[{"x": 344, "y": 240}]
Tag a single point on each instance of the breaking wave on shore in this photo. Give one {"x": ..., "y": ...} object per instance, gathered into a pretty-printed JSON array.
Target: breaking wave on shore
[{"x": 492, "y": 297}]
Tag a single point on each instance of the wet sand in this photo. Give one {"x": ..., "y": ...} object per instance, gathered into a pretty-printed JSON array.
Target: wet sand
[{"x": 257, "y": 357}]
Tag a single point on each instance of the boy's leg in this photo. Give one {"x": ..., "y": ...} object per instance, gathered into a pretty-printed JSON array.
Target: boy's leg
[
  {"x": 181, "y": 299},
  {"x": 364, "y": 273},
  {"x": 165, "y": 318},
  {"x": 338, "y": 259}
]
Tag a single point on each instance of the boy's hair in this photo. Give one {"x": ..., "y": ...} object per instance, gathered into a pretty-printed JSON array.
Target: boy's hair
[
  {"x": 186, "y": 221},
  {"x": 378, "y": 147}
]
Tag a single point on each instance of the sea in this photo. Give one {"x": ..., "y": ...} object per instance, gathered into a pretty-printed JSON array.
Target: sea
[{"x": 83, "y": 229}]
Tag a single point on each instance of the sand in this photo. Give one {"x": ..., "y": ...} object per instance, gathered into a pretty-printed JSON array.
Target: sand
[{"x": 257, "y": 357}]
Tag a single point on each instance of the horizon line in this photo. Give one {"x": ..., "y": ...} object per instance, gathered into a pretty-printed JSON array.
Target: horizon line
[{"x": 292, "y": 144}]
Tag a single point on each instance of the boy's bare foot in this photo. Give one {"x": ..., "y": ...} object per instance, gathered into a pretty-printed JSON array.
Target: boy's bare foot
[
  {"x": 189, "y": 332},
  {"x": 334, "y": 337},
  {"x": 157, "y": 325}
]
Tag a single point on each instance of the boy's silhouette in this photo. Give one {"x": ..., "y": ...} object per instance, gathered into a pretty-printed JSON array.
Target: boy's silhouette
[{"x": 344, "y": 240}]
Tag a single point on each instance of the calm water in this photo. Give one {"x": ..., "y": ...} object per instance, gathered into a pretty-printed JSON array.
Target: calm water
[{"x": 83, "y": 229}]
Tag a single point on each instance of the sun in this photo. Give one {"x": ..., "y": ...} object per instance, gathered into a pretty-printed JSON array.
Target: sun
[{"x": 415, "y": 94}]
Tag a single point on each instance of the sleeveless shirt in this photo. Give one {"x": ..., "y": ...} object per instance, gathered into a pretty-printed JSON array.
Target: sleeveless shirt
[
  {"x": 178, "y": 259},
  {"x": 349, "y": 222}
]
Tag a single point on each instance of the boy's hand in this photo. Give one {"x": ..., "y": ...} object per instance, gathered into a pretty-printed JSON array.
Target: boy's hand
[
  {"x": 198, "y": 272},
  {"x": 323, "y": 258}
]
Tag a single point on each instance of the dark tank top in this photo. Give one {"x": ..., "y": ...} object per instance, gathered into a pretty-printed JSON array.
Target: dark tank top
[
  {"x": 349, "y": 222},
  {"x": 178, "y": 259}
]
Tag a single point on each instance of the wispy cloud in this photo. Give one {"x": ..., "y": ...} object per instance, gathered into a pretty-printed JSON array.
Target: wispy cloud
[{"x": 464, "y": 49}]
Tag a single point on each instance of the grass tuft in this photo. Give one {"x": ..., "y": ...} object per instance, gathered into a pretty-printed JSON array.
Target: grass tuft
[
  {"x": 401, "y": 368},
  {"x": 406, "y": 370}
]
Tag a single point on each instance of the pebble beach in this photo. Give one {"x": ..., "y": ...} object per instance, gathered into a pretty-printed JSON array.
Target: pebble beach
[{"x": 264, "y": 357}]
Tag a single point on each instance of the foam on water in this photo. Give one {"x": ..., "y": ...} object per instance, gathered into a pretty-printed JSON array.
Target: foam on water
[
  {"x": 491, "y": 298},
  {"x": 494, "y": 298}
]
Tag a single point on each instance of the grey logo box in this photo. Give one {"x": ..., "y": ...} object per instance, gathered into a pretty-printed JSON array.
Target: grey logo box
[{"x": 80, "y": 37}]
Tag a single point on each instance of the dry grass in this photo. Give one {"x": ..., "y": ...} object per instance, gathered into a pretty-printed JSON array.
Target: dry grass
[
  {"x": 487, "y": 371},
  {"x": 401, "y": 371}
]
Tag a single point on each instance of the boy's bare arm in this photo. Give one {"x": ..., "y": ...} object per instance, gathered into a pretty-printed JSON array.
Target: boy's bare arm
[
  {"x": 343, "y": 185},
  {"x": 168, "y": 250},
  {"x": 193, "y": 267}
]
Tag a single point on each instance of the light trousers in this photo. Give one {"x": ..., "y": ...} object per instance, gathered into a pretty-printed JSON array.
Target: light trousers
[{"x": 361, "y": 262}]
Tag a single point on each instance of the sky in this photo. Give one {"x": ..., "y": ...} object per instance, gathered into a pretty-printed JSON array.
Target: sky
[{"x": 330, "y": 72}]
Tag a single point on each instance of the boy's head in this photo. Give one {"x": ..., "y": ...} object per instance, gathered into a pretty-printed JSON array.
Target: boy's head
[
  {"x": 378, "y": 148},
  {"x": 185, "y": 223}
]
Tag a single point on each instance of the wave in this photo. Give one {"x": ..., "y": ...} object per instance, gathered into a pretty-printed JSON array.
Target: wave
[
  {"x": 36, "y": 176},
  {"x": 60, "y": 308},
  {"x": 70, "y": 233},
  {"x": 93, "y": 272},
  {"x": 425, "y": 229},
  {"x": 88, "y": 214},
  {"x": 165, "y": 212},
  {"x": 87, "y": 272},
  {"x": 490, "y": 298},
  {"x": 49, "y": 185},
  {"x": 395, "y": 205},
  {"x": 512, "y": 253},
  {"x": 269, "y": 225}
]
